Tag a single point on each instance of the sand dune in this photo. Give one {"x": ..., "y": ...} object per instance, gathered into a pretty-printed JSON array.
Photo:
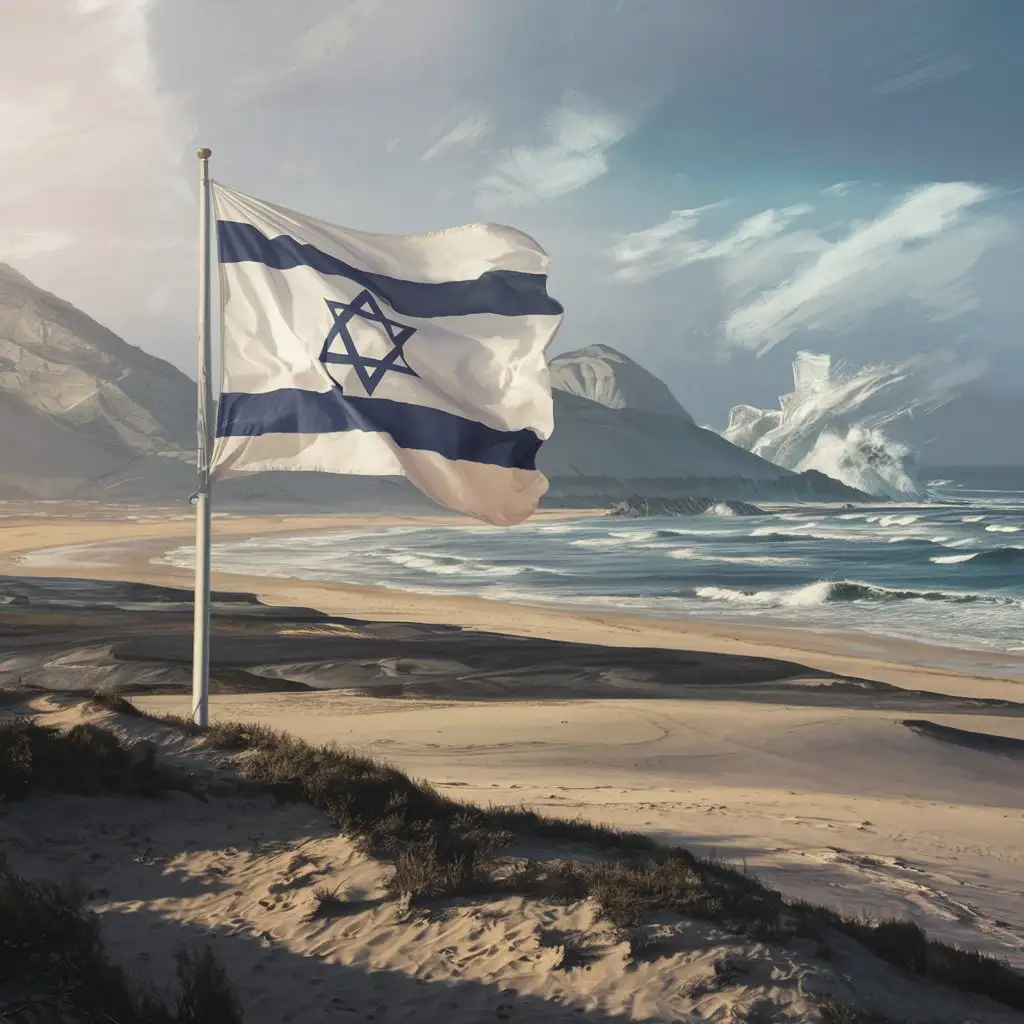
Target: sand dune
[
  {"x": 237, "y": 870},
  {"x": 848, "y": 809},
  {"x": 1004, "y": 746}
]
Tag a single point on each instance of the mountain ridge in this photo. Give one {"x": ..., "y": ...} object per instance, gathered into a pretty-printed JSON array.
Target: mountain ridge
[
  {"x": 604, "y": 375},
  {"x": 90, "y": 416},
  {"x": 64, "y": 365}
]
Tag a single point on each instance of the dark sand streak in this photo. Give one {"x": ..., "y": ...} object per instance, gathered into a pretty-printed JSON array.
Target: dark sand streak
[{"x": 78, "y": 635}]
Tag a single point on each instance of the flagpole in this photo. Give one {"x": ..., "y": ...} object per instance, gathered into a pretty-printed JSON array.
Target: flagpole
[{"x": 201, "y": 627}]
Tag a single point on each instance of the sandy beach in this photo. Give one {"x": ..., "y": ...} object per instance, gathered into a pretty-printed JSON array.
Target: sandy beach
[
  {"x": 833, "y": 767},
  {"x": 91, "y": 543}
]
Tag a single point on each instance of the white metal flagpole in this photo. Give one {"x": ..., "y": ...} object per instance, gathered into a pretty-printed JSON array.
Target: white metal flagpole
[{"x": 201, "y": 627}]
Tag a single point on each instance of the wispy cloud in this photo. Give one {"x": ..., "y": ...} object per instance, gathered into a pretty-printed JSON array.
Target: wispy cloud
[
  {"x": 777, "y": 280},
  {"x": 839, "y": 189},
  {"x": 671, "y": 244},
  {"x": 328, "y": 35},
  {"x": 579, "y": 135},
  {"x": 929, "y": 69},
  {"x": 29, "y": 244},
  {"x": 307, "y": 51},
  {"x": 642, "y": 254},
  {"x": 466, "y": 133},
  {"x": 919, "y": 251}
]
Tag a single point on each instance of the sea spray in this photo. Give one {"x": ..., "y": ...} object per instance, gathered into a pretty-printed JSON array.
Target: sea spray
[{"x": 832, "y": 422}]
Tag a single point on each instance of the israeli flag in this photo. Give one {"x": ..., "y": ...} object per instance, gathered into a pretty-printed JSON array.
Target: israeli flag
[{"x": 422, "y": 356}]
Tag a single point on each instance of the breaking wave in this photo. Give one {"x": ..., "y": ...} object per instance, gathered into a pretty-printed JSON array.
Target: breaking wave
[
  {"x": 721, "y": 508},
  {"x": 694, "y": 554},
  {"x": 832, "y": 421},
  {"x": 994, "y": 556},
  {"x": 452, "y": 565},
  {"x": 931, "y": 571},
  {"x": 829, "y": 591}
]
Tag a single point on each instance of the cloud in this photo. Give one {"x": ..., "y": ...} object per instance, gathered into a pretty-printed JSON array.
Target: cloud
[
  {"x": 29, "y": 244},
  {"x": 669, "y": 246},
  {"x": 307, "y": 51},
  {"x": 776, "y": 280},
  {"x": 351, "y": 96},
  {"x": 839, "y": 189},
  {"x": 931, "y": 69},
  {"x": 579, "y": 135},
  {"x": 92, "y": 197},
  {"x": 920, "y": 251},
  {"x": 465, "y": 134},
  {"x": 645, "y": 253},
  {"x": 328, "y": 35}
]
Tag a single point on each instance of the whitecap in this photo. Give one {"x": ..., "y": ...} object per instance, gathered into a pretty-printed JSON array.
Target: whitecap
[
  {"x": 808, "y": 596},
  {"x": 720, "y": 509},
  {"x": 687, "y": 554},
  {"x": 451, "y": 565},
  {"x": 762, "y": 597},
  {"x": 952, "y": 559},
  {"x": 780, "y": 531},
  {"x": 897, "y": 520}
]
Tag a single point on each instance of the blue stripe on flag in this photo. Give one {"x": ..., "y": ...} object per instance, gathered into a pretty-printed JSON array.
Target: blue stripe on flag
[
  {"x": 505, "y": 292},
  {"x": 292, "y": 411}
]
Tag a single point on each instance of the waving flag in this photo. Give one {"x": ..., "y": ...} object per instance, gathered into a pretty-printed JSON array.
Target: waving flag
[{"x": 382, "y": 355}]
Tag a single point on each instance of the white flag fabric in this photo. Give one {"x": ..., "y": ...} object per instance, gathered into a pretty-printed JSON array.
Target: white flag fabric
[{"x": 383, "y": 355}]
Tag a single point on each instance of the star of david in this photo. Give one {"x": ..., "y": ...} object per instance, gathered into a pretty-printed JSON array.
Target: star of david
[{"x": 369, "y": 369}]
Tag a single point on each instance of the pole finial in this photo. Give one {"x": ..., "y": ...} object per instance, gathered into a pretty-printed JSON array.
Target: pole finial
[{"x": 204, "y": 154}]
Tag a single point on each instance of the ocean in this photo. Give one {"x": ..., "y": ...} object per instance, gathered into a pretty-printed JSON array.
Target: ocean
[{"x": 948, "y": 574}]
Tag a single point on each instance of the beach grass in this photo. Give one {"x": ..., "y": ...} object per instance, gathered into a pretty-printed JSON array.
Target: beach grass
[
  {"x": 53, "y": 963},
  {"x": 85, "y": 760},
  {"x": 51, "y": 950},
  {"x": 441, "y": 849}
]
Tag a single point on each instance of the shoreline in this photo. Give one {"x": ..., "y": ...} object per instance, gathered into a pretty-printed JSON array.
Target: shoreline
[{"x": 91, "y": 546}]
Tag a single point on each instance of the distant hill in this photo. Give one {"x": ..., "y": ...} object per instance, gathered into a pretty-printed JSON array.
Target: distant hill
[
  {"x": 606, "y": 376},
  {"x": 84, "y": 414},
  {"x": 76, "y": 401},
  {"x": 599, "y": 455}
]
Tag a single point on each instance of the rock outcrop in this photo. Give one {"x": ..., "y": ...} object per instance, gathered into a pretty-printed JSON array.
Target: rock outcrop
[{"x": 638, "y": 507}]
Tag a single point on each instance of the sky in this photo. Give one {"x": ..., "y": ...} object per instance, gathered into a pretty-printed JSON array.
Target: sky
[{"x": 720, "y": 183}]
